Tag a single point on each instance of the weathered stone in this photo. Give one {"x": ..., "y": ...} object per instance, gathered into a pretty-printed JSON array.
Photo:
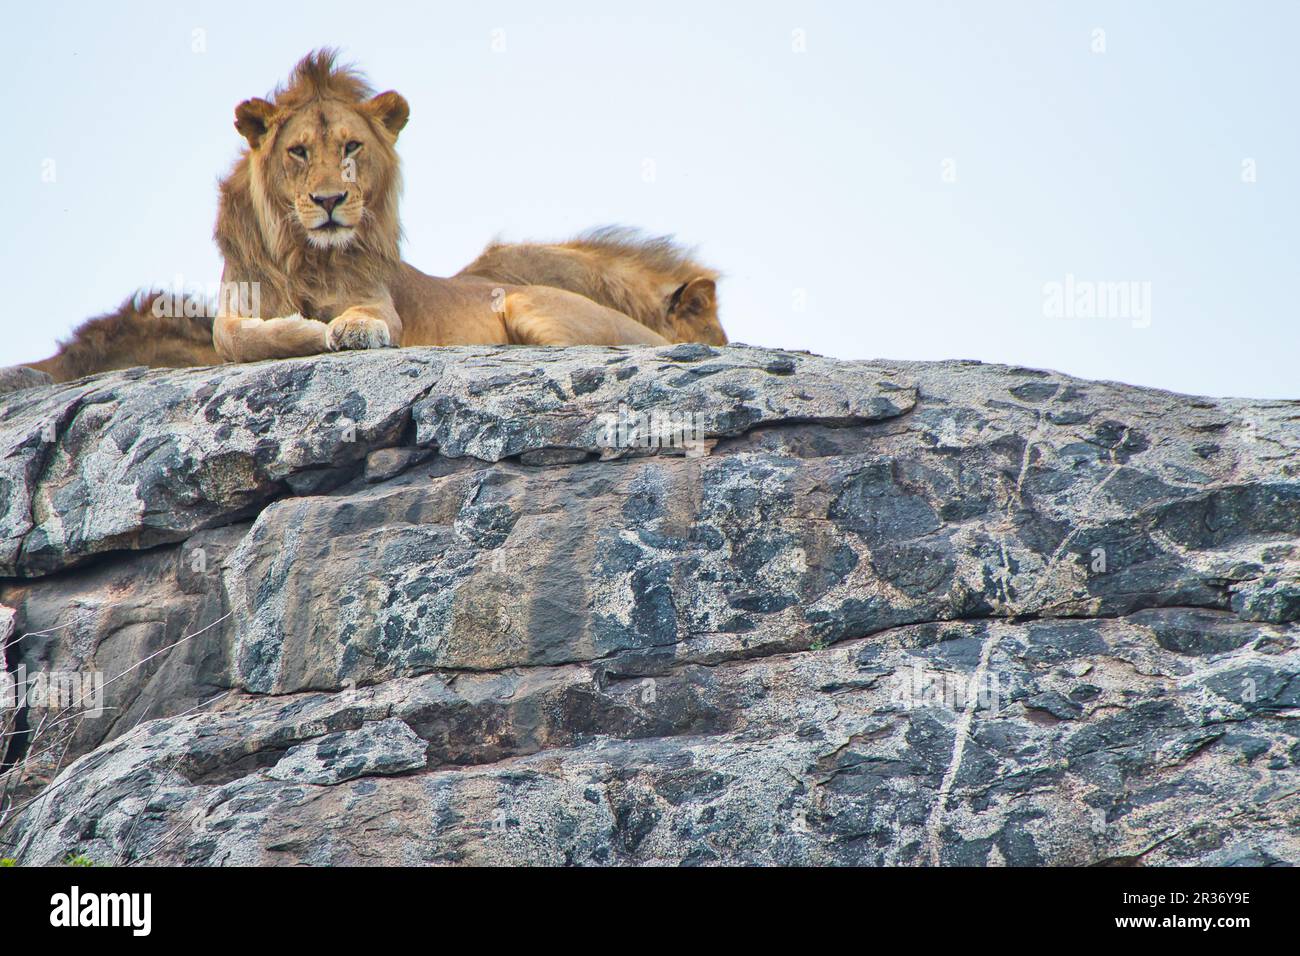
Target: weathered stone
[
  {"x": 374, "y": 749},
  {"x": 417, "y": 607},
  {"x": 17, "y": 377},
  {"x": 385, "y": 463},
  {"x": 113, "y": 462}
]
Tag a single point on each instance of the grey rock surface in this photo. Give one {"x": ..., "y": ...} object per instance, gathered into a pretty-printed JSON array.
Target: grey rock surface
[
  {"x": 380, "y": 747},
  {"x": 651, "y": 606},
  {"x": 17, "y": 377}
]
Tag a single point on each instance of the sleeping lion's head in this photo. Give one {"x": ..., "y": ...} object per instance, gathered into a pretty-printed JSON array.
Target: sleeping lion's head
[{"x": 322, "y": 166}]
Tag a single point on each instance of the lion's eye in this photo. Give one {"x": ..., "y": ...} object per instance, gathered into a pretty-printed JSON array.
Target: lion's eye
[
  {"x": 300, "y": 152},
  {"x": 351, "y": 148}
]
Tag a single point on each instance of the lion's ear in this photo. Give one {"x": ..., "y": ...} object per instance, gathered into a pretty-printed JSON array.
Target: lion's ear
[
  {"x": 697, "y": 297},
  {"x": 391, "y": 109},
  {"x": 253, "y": 118}
]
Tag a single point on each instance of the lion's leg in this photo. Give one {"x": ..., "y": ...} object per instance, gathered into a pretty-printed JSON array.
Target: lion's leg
[
  {"x": 239, "y": 339},
  {"x": 540, "y": 315}
]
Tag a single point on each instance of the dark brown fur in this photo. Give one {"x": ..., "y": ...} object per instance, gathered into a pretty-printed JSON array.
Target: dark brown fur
[{"x": 132, "y": 335}]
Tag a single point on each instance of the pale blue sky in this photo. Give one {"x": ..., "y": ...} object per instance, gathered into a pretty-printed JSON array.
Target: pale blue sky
[{"x": 814, "y": 180}]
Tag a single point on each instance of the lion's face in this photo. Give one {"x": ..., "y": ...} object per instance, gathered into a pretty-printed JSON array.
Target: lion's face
[
  {"x": 324, "y": 169},
  {"x": 318, "y": 165}
]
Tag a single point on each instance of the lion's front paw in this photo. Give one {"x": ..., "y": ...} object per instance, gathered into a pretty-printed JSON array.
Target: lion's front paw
[{"x": 358, "y": 332}]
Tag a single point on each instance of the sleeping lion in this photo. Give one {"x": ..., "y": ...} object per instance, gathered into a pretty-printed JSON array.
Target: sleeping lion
[{"x": 309, "y": 215}]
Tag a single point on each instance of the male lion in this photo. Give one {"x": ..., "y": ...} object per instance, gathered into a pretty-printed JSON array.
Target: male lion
[{"x": 309, "y": 215}]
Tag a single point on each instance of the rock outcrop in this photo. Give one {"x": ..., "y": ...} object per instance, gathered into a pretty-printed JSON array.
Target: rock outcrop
[{"x": 628, "y": 606}]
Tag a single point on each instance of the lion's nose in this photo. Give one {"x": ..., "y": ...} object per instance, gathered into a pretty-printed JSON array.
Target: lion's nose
[{"x": 328, "y": 202}]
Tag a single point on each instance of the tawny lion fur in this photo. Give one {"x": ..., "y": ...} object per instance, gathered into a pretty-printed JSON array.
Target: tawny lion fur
[{"x": 652, "y": 280}]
